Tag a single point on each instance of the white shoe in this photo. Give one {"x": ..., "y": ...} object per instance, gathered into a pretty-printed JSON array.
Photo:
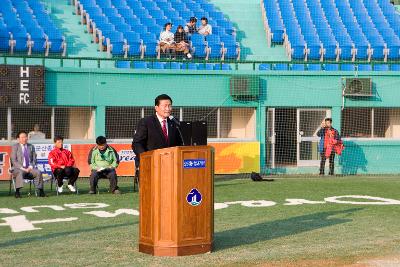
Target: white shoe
[
  {"x": 71, "y": 188},
  {"x": 189, "y": 56},
  {"x": 60, "y": 189}
]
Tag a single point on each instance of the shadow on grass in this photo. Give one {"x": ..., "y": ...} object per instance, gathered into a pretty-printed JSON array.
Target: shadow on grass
[
  {"x": 275, "y": 229},
  {"x": 20, "y": 241}
]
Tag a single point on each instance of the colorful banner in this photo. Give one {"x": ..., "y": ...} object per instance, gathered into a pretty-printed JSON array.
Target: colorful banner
[{"x": 230, "y": 158}]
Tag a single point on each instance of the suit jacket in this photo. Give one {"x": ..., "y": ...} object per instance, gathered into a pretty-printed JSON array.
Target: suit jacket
[
  {"x": 149, "y": 135},
  {"x": 17, "y": 156}
]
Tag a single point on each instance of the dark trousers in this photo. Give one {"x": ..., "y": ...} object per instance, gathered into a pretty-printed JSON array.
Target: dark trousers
[
  {"x": 107, "y": 173},
  {"x": 331, "y": 163},
  {"x": 70, "y": 172}
]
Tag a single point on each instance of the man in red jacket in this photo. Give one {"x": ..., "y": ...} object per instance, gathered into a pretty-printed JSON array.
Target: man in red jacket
[{"x": 62, "y": 165}]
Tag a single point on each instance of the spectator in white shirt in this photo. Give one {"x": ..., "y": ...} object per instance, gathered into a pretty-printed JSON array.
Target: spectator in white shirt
[
  {"x": 205, "y": 28},
  {"x": 36, "y": 134},
  {"x": 167, "y": 43}
]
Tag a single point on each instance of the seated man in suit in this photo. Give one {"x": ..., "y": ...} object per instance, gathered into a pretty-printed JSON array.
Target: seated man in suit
[
  {"x": 62, "y": 165},
  {"x": 23, "y": 160},
  {"x": 156, "y": 131},
  {"x": 103, "y": 160}
]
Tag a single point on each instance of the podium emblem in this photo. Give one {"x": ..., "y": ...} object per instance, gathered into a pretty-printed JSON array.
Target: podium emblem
[{"x": 194, "y": 197}]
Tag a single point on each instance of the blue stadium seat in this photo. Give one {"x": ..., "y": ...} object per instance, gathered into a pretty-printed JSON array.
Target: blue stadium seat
[
  {"x": 222, "y": 67},
  {"x": 38, "y": 37},
  {"x": 134, "y": 42},
  {"x": 297, "y": 67},
  {"x": 331, "y": 67},
  {"x": 159, "y": 65},
  {"x": 4, "y": 40},
  {"x": 116, "y": 40},
  {"x": 314, "y": 67},
  {"x": 190, "y": 66},
  {"x": 123, "y": 64},
  {"x": 205, "y": 66},
  {"x": 364, "y": 67},
  {"x": 175, "y": 65},
  {"x": 381, "y": 67},
  {"x": 231, "y": 47},
  {"x": 395, "y": 67},
  {"x": 264, "y": 66},
  {"x": 140, "y": 65},
  {"x": 199, "y": 46},
  {"x": 347, "y": 67},
  {"x": 151, "y": 43},
  {"x": 281, "y": 66},
  {"x": 214, "y": 44}
]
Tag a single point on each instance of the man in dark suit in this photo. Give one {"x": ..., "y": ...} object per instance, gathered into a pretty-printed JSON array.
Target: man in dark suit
[
  {"x": 23, "y": 160},
  {"x": 156, "y": 131}
]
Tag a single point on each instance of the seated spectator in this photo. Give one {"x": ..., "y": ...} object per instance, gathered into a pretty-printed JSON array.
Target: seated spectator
[
  {"x": 167, "y": 43},
  {"x": 181, "y": 42},
  {"x": 23, "y": 161},
  {"x": 62, "y": 165},
  {"x": 103, "y": 160},
  {"x": 36, "y": 134},
  {"x": 205, "y": 28},
  {"x": 191, "y": 27}
]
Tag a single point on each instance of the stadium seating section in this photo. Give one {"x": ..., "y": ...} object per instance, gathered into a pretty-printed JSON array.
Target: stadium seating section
[
  {"x": 26, "y": 28},
  {"x": 131, "y": 28},
  {"x": 334, "y": 29}
]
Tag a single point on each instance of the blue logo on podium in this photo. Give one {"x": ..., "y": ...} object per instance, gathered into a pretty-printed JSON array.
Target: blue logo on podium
[
  {"x": 194, "y": 163},
  {"x": 194, "y": 197}
]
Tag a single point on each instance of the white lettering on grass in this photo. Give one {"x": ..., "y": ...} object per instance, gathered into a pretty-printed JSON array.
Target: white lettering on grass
[
  {"x": 7, "y": 211},
  {"x": 254, "y": 203},
  {"x": 21, "y": 224},
  {"x": 86, "y": 205},
  {"x": 106, "y": 214},
  {"x": 34, "y": 208},
  {"x": 378, "y": 200},
  {"x": 218, "y": 206},
  {"x": 300, "y": 201}
]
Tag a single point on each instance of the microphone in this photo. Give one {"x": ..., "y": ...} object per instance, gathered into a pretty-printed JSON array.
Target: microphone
[{"x": 172, "y": 118}]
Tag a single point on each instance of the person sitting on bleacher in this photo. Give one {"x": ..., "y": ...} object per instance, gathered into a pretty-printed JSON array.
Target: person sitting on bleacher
[
  {"x": 191, "y": 27},
  {"x": 167, "y": 43},
  {"x": 205, "y": 28},
  {"x": 181, "y": 42},
  {"x": 103, "y": 160},
  {"x": 62, "y": 165}
]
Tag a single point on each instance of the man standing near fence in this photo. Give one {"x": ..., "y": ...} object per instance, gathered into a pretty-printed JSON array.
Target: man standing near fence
[{"x": 329, "y": 144}]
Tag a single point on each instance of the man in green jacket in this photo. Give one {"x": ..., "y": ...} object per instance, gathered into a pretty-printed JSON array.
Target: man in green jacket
[{"x": 103, "y": 160}]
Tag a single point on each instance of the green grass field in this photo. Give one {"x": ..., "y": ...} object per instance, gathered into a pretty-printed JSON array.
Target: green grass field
[{"x": 324, "y": 234}]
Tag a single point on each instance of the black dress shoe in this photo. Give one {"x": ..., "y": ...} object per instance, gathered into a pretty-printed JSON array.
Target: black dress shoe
[
  {"x": 17, "y": 194},
  {"x": 41, "y": 193}
]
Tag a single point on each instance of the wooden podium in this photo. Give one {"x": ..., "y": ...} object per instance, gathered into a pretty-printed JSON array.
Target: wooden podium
[{"x": 177, "y": 201}]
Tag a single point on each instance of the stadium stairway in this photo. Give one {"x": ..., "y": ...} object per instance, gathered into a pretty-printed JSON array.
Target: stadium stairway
[
  {"x": 78, "y": 42},
  {"x": 247, "y": 18}
]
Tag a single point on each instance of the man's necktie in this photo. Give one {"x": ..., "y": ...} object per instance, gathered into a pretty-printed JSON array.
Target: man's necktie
[
  {"x": 26, "y": 156},
  {"x": 164, "y": 130}
]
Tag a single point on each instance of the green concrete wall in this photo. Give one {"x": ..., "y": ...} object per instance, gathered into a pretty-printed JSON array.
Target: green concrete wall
[{"x": 108, "y": 87}]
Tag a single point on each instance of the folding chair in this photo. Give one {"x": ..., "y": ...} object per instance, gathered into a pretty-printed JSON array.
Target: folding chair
[{"x": 26, "y": 180}]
